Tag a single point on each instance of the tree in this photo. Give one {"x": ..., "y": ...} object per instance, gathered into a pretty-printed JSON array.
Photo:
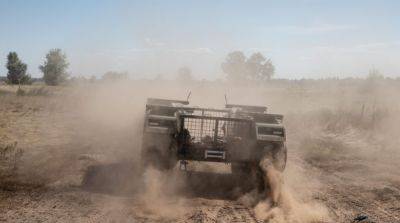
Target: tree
[
  {"x": 259, "y": 68},
  {"x": 372, "y": 81},
  {"x": 256, "y": 67},
  {"x": 235, "y": 66},
  {"x": 114, "y": 76},
  {"x": 374, "y": 74},
  {"x": 184, "y": 74},
  {"x": 55, "y": 67},
  {"x": 16, "y": 70}
]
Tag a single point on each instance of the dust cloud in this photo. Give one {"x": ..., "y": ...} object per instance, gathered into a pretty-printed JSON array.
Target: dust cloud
[
  {"x": 282, "y": 206},
  {"x": 336, "y": 131},
  {"x": 161, "y": 194}
]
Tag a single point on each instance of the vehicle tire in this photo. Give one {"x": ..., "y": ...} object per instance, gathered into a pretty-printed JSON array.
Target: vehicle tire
[
  {"x": 154, "y": 158},
  {"x": 241, "y": 168},
  {"x": 253, "y": 174}
]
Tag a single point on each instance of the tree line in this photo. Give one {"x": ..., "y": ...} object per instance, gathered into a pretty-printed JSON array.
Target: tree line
[
  {"x": 54, "y": 68},
  {"x": 255, "y": 68},
  {"x": 236, "y": 66}
]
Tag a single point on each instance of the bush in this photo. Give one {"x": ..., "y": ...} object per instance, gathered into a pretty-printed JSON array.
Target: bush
[
  {"x": 38, "y": 92},
  {"x": 323, "y": 147},
  {"x": 20, "y": 92},
  {"x": 42, "y": 91},
  {"x": 363, "y": 118},
  {"x": 10, "y": 156}
]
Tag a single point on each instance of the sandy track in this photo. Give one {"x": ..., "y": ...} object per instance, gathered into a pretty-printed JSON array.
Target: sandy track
[
  {"x": 47, "y": 130},
  {"x": 346, "y": 198},
  {"x": 203, "y": 197},
  {"x": 354, "y": 187},
  {"x": 118, "y": 193},
  {"x": 75, "y": 205},
  {"x": 66, "y": 204}
]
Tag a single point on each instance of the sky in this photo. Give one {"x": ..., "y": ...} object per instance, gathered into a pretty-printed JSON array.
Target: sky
[{"x": 303, "y": 38}]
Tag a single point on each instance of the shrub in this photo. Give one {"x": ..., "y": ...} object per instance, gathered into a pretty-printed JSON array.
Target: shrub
[
  {"x": 42, "y": 91},
  {"x": 20, "y": 92},
  {"x": 38, "y": 92},
  {"x": 10, "y": 156}
]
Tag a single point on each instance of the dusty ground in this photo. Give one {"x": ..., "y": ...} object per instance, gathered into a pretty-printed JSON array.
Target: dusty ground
[{"x": 81, "y": 143}]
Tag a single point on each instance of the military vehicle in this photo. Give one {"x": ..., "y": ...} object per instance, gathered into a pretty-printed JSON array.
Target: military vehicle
[{"x": 241, "y": 135}]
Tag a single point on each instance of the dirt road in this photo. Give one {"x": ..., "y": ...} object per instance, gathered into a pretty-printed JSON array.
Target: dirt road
[
  {"x": 214, "y": 200},
  {"x": 324, "y": 181}
]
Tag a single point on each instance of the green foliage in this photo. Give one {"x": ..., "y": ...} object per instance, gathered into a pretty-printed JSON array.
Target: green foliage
[
  {"x": 256, "y": 67},
  {"x": 16, "y": 70},
  {"x": 259, "y": 68},
  {"x": 235, "y": 66},
  {"x": 55, "y": 67}
]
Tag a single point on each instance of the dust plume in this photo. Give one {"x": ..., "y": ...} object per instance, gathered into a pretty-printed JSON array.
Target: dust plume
[
  {"x": 281, "y": 205},
  {"x": 160, "y": 196}
]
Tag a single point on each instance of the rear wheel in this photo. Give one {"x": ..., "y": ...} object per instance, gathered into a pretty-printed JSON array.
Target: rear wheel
[
  {"x": 241, "y": 168},
  {"x": 250, "y": 175},
  {"x": 156, "y": 159}
]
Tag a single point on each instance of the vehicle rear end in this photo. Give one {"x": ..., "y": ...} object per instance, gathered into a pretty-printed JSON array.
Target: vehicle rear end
[
  {"x": 213, "y": 135},
  {"x": 160, "y": 125},
  {"x": 271, "y": 137},
  {"x": 270, "y": 134}
]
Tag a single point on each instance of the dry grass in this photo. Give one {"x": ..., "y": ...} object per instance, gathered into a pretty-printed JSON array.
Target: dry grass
[{"x": 10, "y": 156}]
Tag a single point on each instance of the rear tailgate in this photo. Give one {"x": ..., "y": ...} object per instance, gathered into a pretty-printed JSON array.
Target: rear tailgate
[{"x": 214, "y": 138}]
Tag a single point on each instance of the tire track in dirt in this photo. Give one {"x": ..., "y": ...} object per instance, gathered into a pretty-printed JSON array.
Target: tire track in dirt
[
  {"x": 220, "y": 212},
  {"x": 232, "y": 212},
  {"x": 352, "y": 202},
  {"x": 346, "y": 197}
]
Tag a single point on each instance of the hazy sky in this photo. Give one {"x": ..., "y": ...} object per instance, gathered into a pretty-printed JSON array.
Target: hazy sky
[{"x": 304, "y": 38}]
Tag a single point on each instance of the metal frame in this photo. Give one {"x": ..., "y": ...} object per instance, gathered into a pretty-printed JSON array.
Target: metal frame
[{"x": 202, "y": 126}]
